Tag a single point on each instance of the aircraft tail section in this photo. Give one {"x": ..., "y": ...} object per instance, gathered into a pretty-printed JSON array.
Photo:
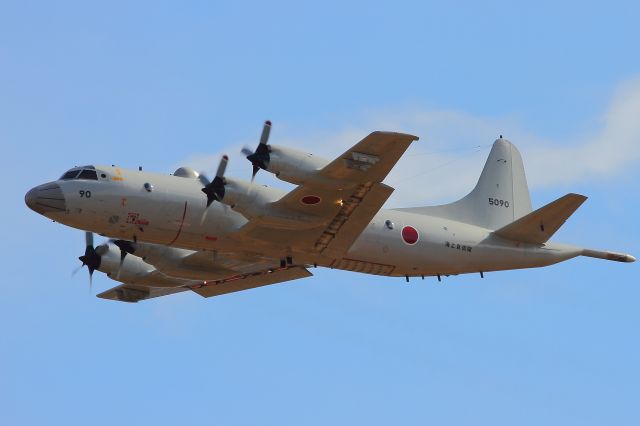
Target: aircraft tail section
[
  {"x": 538, "y": 226},
  {"x": 500, "y": 197}
]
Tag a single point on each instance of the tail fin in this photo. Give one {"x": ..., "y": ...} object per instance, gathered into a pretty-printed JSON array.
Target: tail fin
[
  {"x": 500, "y": 197},
  {"x": 538, "y": 226}
]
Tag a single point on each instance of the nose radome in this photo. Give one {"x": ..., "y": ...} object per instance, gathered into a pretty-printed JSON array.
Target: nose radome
[
  {"x": 30, "y": 198},
  {"x": 47, "y": 198}
]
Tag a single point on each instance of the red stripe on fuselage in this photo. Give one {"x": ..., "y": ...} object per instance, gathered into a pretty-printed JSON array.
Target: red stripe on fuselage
[{"x": 184, "y": 214}]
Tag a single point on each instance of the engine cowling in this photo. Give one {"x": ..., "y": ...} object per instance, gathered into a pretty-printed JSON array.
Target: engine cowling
[
  {"x": 293, "y": 166},
  {"x": 131, "y": 269},
  {"x": 256, "y": 202}
]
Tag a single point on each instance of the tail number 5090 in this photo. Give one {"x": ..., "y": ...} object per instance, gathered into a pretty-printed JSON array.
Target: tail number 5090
[{"x": 498, "y": 203}]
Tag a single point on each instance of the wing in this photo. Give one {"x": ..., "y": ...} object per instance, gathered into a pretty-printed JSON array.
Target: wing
[
  {"x": 371, "y": 159},
  {"x": 157, "y": 284},
  {"x": 134, "y": 293},
  {"x": 252, "y": 280},
  {"x": 329, "y": 214},
  {"x": 228, "y": 263}
]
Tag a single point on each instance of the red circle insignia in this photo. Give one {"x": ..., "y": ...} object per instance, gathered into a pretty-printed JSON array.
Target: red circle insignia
[
  {"x": 310, "y": 199},
  {"x": 410, "y": 235}
]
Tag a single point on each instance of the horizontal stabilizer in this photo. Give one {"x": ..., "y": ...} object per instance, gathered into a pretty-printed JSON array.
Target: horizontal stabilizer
[{"x": 539, "y": 225}]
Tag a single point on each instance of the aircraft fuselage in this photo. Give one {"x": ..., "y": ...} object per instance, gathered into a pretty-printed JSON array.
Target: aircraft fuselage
[{"x": 170, "y": 210}]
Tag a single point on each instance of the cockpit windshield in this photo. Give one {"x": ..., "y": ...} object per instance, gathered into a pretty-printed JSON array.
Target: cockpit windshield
[
  {"x": 71, "y": 174},
  {"x": 85, "y": 172}
]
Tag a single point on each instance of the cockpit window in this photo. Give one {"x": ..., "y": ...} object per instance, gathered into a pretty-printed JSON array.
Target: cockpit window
[
  {"x": 71, "y": 174},
  {"x": 88, "y": 174},
  {"x": 85, "y": 172}
]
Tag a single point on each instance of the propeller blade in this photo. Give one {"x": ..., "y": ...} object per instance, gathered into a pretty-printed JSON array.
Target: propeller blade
[
  {"x": 90, "y": 258},
  {"x": 126, "y": 247},
  {"x": 266, "y": 130},
  {"x": 261, "y": 157},
  {"x": 88, "y": 238},
  {"x": 215, "y": 189},
  {"x": 75, "y": 271},
  {"x": 204, "y": 216},
  {"x": 246, "y": 151},
  {"x": 222, "y": 166}
]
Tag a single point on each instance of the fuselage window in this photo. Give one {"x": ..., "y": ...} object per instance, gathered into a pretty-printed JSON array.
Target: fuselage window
[
  {"x": 88, "y": 174},
  {"x": 71, "y": 174}
]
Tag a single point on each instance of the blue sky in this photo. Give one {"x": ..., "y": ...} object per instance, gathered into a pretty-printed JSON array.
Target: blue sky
[{"x": 160, "y": 84}]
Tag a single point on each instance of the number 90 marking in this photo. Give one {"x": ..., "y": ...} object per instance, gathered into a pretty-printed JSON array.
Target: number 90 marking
[{"x": 84, "y": 194}]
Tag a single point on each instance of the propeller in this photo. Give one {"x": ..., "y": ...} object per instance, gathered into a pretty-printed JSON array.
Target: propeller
[
  {"x": 126, "y": 247},
  {"x": 261, "y": 156},
  {"x": 215, "y": 189},
  {"x": 90, "y": 258}
]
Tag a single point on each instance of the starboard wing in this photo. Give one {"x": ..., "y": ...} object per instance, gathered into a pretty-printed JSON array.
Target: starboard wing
[{"x": 328, "y": 218}]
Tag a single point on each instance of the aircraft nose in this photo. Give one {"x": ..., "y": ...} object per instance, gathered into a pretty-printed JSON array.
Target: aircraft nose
[{"x": 47, "y": 198}]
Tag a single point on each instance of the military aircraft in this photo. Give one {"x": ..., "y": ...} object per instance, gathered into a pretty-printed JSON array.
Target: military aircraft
[{"x": 173, "y": 233}]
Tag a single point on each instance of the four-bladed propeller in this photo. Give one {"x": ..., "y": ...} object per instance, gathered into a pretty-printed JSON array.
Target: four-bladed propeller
[
  {"x": 261, "y": 156},
  {"x": 90, "y": 258},
  {"x": 215, "y": 189}
]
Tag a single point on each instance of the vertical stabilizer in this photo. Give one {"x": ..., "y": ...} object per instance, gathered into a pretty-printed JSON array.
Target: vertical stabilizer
[{"x": 500, "y": 196}]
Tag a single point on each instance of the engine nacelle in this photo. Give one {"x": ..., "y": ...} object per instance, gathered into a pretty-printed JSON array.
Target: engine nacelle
[
  {"x": 255, "y": 202},
  {"x": 291, "y": 165},
  {"x": 248, "y": 198},
  {"x": 132, "y": 268},
  {"x": 170, "y": 262}
]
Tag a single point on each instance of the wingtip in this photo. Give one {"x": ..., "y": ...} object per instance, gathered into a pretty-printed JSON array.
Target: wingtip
[
  {"x": 400, "y": 134},
  {"x": 580, "y": 196}
]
